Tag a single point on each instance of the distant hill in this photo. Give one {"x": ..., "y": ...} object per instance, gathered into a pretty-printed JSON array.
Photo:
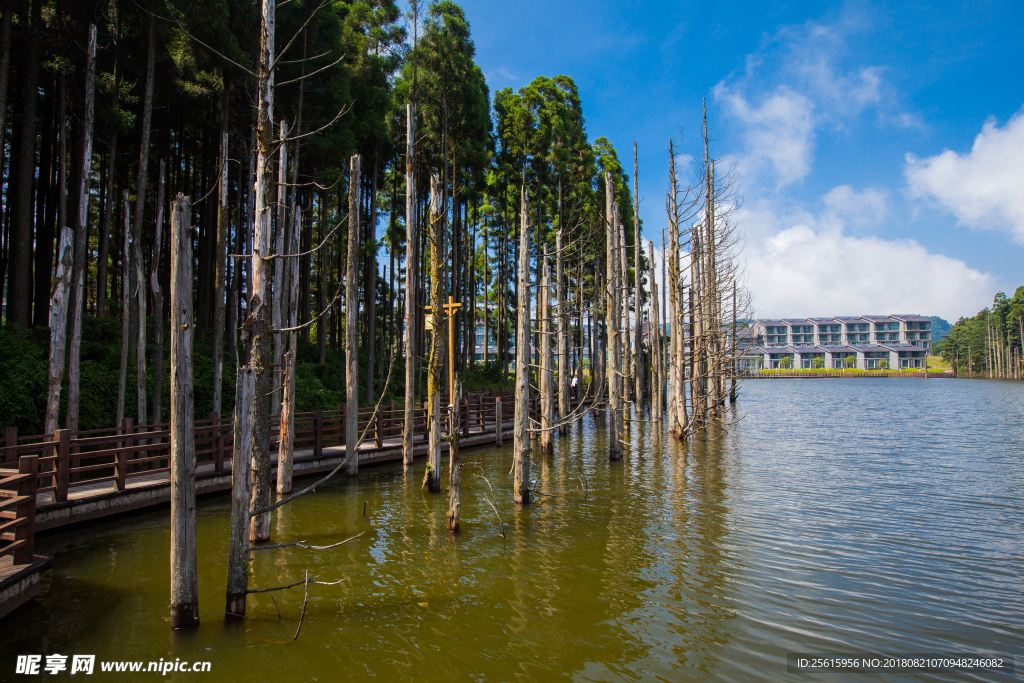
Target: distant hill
[{"x": 940, "y": 328}]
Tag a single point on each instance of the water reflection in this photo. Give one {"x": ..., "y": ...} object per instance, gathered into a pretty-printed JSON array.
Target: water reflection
[{"x": 801, "y": 529}]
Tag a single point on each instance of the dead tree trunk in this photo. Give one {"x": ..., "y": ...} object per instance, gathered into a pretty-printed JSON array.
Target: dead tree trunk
[
  {"x": 140, "y": 205},
  {"x": 638, "y": 337},
  {"x": 280, "y": 269},
  {"x": 432, "y": 476},
  {"x": 158, "y": 303},
  {"x": 221, "y": 255},
  {"x": 410, "y": 286},
  {"x": 454, "y": 462},
  {"x": 657, "y": 404},
  {"x": 184, "y": 575},
  {"x": 58, "y": 323},
  {"x": 140, "y": 338},
  {"x": 544, "y": 379},
  {"x": 238, "y": 541},
  {"x": 352, "y": 321},
  {"x": 622, "y": 290},
  {"x": 521, "y": 434},
  {"x": 563, "y": 333},
  {"x": 259, "y": 307},
  {"x": 286, "y": 441},
  {"x": 612, "y": 323},
  {"x": 126, "y": 316},
  {"x": 65, "y": 255},
  {"x": 81, "y": 236}
]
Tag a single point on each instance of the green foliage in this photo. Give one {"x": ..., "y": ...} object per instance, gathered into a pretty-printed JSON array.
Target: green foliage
[
  {"x": 851, "y": 361},
  {"x": 969, "y": 339},
  {"x": 819, "y": 362}
]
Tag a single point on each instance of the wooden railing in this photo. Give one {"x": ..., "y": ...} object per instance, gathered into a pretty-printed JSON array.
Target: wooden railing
[
  {"x": 68, "y": 460},
  {"x": 18, "y": 509}
]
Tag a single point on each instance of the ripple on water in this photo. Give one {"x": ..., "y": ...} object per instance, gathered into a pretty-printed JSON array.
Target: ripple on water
[{"x": 860, "y": 516}]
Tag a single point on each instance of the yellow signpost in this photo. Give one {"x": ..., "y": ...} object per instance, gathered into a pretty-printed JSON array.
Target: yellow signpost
[{"x": 449, "y": 309}]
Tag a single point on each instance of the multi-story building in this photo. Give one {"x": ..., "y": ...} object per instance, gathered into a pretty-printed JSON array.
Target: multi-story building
[{"x": 902, "y": 341}]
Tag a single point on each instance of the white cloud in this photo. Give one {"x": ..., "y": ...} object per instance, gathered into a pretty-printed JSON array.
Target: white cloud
[
  {"x": 807, "y": 265},
  {"x": 984, "y": 188},
  {"x": 779, "y": 131},
  {"x": 856, "y": 208},
  {"x": 795, "y": 85}
]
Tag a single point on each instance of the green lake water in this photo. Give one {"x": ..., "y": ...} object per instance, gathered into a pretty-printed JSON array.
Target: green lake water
[{"x": 868, "y": 515}]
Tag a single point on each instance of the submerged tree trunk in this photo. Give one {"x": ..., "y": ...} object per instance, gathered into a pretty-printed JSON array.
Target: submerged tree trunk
[
  {"x": 81, "y": 236},
  {"x": 280, "y": 269},
  {"x": 286, "y": 441},
  {"x": 432, "y": 477},
  {"x": 615, "y": 449},
  {"x": 657, "y": 404},
  {"x": 259, "y": 306},
  {"x": 184, "y": 575},
  {"x": 410, "y": 286},
  {"x": 521, "y": 434},
  {"x": 545, "y": 383},
  {"x": 454, "y": 462},
  {"x": 638, "y": 338},
  {"x": 238, "y": 540}
]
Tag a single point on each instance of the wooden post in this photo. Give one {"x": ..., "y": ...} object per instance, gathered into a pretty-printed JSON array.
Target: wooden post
[
  {"x": 238, "y": 541},
  {"x": 389, "y": 423},
  {"x": 497, "y": 421},
  {"x": 217, "y": 441},
  {"x": 184, "y": 577},
  {"x": 286, "y": 443},
  {"x": 318, "y": 433},
  {"x": 27, "y": 464},
  {"x": 352, "y": 320},
  {"x": 124, "y": 453},
  {"x": 62, "y": 438},
  {"x": 378, "y": 433}
]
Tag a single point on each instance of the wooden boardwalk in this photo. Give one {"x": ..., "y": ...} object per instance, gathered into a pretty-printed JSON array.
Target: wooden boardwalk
[
  {"x": 92, "y": 474},
  {"x": 103, "y": 498}
]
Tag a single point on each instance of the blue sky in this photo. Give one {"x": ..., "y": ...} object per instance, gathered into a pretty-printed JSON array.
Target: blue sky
[{"x": 878, "y": 147}]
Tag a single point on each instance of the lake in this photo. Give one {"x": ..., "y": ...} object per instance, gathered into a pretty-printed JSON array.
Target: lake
[{"x": 862, "y": 516}]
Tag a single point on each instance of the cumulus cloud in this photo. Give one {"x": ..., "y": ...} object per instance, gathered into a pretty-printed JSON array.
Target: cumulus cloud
[
  {"x": 779, "y": 131},
  {"x": 792, "y": 87},
  {"x": 805, "y": 265},
  {"x": 856, "y": 208},
  {"x": 983, "y": 188}
]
